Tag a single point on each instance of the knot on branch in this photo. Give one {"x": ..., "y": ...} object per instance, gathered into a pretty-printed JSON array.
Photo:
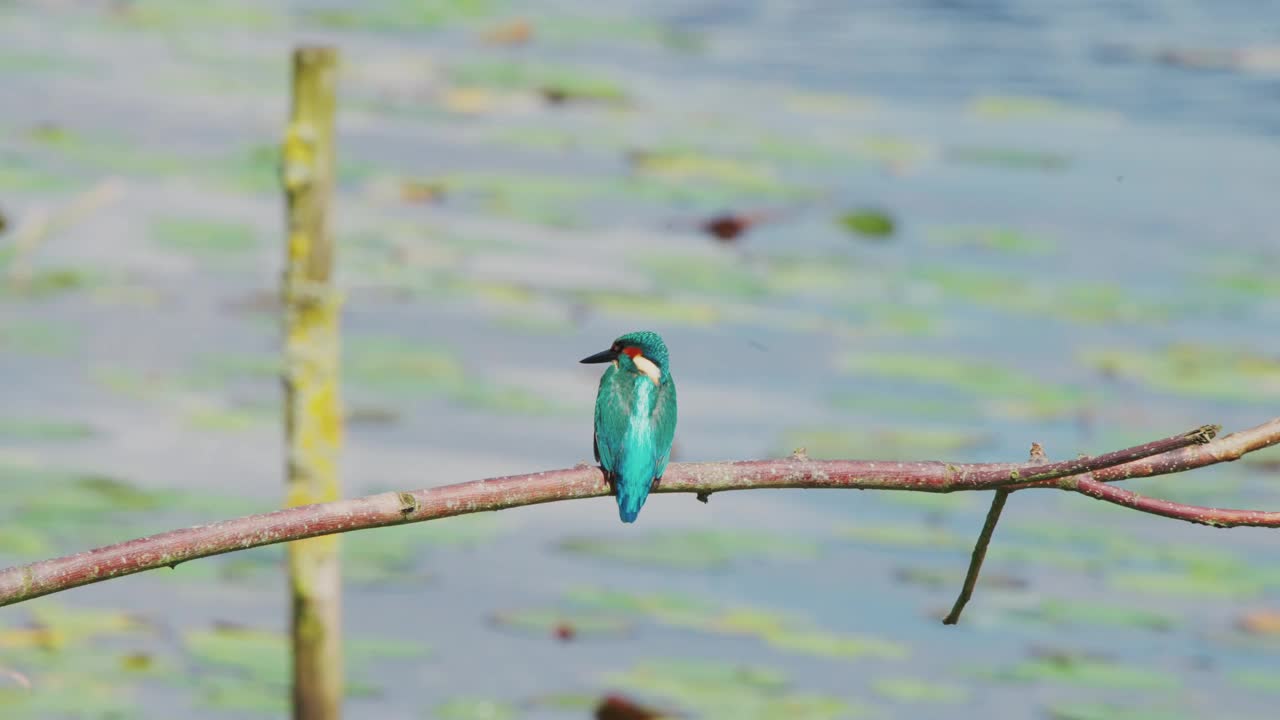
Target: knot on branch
[
  {"x": 1204, "y": 434},
  {"x": 408, "y": 503}
]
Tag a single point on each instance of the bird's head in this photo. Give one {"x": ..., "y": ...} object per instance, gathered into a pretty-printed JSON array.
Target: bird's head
[{"x": 640, "y": 352}]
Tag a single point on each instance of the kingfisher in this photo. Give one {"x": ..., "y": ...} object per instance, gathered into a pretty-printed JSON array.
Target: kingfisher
[{"x": 635, "y": 417}]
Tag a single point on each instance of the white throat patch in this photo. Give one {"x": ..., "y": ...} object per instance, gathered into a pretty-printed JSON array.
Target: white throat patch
[{"x": 650, "y": 370}]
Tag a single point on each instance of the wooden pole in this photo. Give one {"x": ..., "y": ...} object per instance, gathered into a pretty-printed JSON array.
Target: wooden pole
[{"x": 313, "y": 413}]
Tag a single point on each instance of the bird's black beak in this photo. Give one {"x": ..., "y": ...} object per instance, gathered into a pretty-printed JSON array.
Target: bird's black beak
[{"x": 603, "y": 356}]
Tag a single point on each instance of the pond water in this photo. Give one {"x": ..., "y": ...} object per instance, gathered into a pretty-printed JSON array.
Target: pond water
[{"x": 1082, "y": 251}]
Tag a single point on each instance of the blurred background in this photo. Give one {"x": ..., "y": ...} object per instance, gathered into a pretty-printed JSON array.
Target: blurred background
[{"x": 890, "y": 229}]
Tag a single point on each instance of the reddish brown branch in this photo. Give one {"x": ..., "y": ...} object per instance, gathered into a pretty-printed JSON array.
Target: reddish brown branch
[
  {"x": 1213, "y": 517},
  {"x": 394, "y": 508}
]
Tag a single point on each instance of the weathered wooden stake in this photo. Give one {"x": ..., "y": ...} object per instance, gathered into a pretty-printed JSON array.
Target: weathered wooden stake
[{"x": 313, "y": 413}]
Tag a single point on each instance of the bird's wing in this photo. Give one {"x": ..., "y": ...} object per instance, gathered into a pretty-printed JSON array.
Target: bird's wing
[
  {"x": 664, "y": 423},
  {"x": 613, "y": 407}
]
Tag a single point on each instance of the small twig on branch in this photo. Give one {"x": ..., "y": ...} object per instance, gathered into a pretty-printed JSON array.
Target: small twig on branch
[
  {"x": 395, "y": 508},
  {"x": 979, "y": 554},
  {"x": 984, "y": 539}
]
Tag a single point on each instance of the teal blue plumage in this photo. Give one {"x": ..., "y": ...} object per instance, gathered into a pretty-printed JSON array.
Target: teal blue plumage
[{"x": 635, "y": 419}]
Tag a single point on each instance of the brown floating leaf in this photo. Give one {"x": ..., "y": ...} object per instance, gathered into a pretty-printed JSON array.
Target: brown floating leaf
[
  {"x": 421, "y": 191},
  {"x": 619, "y": 707},
  {"x": 730, "y": 226},
  {"x": 1260, "y": 622},
  {"x": 514, "y": 32},
  {"x": 564, "y": 632}
]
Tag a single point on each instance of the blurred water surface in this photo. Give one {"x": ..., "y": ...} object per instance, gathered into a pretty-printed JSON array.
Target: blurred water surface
[{"x": 1083, "y": 254}]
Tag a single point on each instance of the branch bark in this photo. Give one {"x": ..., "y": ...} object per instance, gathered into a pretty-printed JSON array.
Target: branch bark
[{"x": 394, "y": 508}]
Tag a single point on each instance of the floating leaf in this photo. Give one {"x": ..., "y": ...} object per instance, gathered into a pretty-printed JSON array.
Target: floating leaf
[
  {"x": 1195, "y": 370},
  {"x": 876, "y": 224},
  {"x": 777, "y": 630},
  {"x": 730, "y": 691},
  {"x": 568, "y": 82},
  {"x": 223, "y": 419},
  {"x": 687, "y": 166},
  {"x": 1070, "y": 669},
  {"x": 161, "y": 15},
  {"x": 1002, "y": 239},
  {"x": 1062, "y": 613},
  {"x": 920, "y": 691}
]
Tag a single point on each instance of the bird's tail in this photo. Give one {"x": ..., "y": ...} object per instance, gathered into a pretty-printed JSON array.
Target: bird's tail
[{"x": 631, "y": 497}]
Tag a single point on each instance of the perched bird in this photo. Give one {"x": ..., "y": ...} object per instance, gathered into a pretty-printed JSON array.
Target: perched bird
[{"x": 635, "y": 417}]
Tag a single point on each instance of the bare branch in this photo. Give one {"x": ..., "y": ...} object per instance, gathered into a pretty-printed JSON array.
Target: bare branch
[
  {"x": 393, "y": 508},
  {"x": 984, "y": 540},
  {"x": 1213, "y": 517},
  {"x": 979, "y": 554}
]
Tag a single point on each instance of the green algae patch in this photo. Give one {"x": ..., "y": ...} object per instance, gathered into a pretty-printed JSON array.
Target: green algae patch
[
  {"x": 203, "y": 236},
  {"x": 1006, "y": 392},
  {"x": 160, "y": 15},
  {"x": 401, "y": 15},
  {"x": 570, "y": 82},
  {"x": 1195, "y": 370},
  {"x": 715, "y": 275},
  {"x": 551, "y": 622},
  {"x": 689, "y": 312},
  {"x": 385, "y": 365},
  {"x": 1025, "y": 107},
  {"x": 685, "y": 166},
  {"x": 394, "y": 555},
  {"x": 913, "y": 690},
  {"x": 780, "y": 631},
  {"x": 49, "y": 282},
  {"x": 1110, "y": 711},
  {"x": 248, "y": 669},
  {"x": 693, "y": 549},
  {"x": 994, "y": 238},
  {"x": 1060, "y": 613},
  {"x": 1082, "y": 671},
  {"x": 231, "y": 419},
  {"x": 730, "y": 690}
]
